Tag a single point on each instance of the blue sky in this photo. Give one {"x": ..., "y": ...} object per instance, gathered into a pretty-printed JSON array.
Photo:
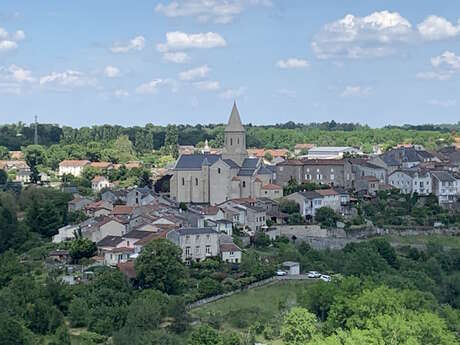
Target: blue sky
[{"x": 184, "y": 61}]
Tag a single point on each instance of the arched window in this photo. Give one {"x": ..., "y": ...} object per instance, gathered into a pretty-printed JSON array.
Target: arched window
[
  {"x": 196, "y": 181},
  {"x": 231, "y": 141},
  {"x": 183, "y": 181},
  {"x": 244, "y": 184}
]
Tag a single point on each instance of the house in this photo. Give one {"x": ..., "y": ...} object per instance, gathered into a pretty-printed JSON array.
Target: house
[
  {"x": 230, "y": 253},
  {"x": 98, "y": 228},
  {"x": 99, "y": 183},
  {"x": 197, "y": 244},
  {"x": 78, "y": 203},
  {"x": 271, "y": 191},
  {"x": 444, "y": 187},
  {"x": 23, "y": 176},
  {"x": 98, "y": 208},
  {"x": 406, "y": 157},
  {"x": 334, "y": 172},
  {"x": 139, "y": 197},
  {"x": 410, "y": 181},
  {"x": 66, "y": 233},
  {"x": 72, "y": 167},
  {"x": 331, "y": 152},
  {"x": 362, "y": 167},
  {"x": 368, "y": 184},
  {"x": 311, "y": 201},
  {"x": 101, "y": 165},
  {"x": 221, "y": 225}
]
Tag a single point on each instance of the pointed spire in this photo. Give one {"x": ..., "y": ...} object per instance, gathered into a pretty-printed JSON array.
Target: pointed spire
[{"x": 234, "y": 123}]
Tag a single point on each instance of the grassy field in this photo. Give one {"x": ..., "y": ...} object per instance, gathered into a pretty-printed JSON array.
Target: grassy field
[
  {"x": 239, "y": 312},
  {"x": 420, "y": 240}
]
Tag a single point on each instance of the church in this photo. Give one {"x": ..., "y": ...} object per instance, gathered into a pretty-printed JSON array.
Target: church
[{"x": 213, "y": 179}]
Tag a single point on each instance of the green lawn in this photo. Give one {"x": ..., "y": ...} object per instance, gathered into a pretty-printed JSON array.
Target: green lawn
[
  {"x": 446, "y": 241},
  {"x": 240, "y": 311}
]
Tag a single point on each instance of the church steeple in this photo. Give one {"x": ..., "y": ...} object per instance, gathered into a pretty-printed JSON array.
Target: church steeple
[
  {"x": 235, "y": 138},
  {"x": 234, "y": 123}
]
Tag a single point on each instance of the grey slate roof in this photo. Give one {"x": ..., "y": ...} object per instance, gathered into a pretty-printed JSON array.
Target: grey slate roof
[
  {"x": 195, "y": 161},
  {"x": 195, "y": 231},
  {"x": 231, "y": 163},
  {"x": 310, "y": 195},
  {"x": 234, "y": 123},
  {"x": 443, "y": 176},
  {"x": 109, "y": 241},
  {"x": 250, "y": 163},
  {"x": 246, "y": 172},
  {"x": 137, "y": 234},
  {"x": 264, "y": 170}
]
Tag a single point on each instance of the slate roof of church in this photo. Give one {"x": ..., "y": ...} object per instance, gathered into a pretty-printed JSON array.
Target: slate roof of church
[
  {"x": 234, "y": 123},
  {"x": 195, "y": 161}
]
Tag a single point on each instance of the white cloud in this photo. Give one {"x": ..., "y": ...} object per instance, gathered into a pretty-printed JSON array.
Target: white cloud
[
  {"x": 16, "y": 74},
  {"x": 218, "y": 11},
  {"x": 437, "y": 28},
  {"x": 120, "y": 93},
  {"x": 180, "y": 40},
  {"x": 67, "y": 79},
  {"x": 195, "y": 73},
  {"x": 111, "y": 72},
  {"x": 9, "y": 41},
  {"x": 153, "y": 86},
  {"x": 176, "y": 57},
  {"x": 292, "y": 63},
  {"x": 444, "y": 67},
  {"x": 359, "y": 37},
  {"x": 207, "y": 85},
  {"x": 233, "y": 93},
  {"x": 355, "y": 91},
  {"x": 443, "y": 104},
  {"x": 137, "y": 43}
]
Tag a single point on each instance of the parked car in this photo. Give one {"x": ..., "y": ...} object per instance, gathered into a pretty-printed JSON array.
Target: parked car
[
  {"x": 313, "y": 274},
  {"x": 280, "y": 273},
  {"x": 325, "y": 278}
]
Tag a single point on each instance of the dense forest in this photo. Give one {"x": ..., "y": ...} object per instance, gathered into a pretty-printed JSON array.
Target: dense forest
[{"x": 151, "y": 137}]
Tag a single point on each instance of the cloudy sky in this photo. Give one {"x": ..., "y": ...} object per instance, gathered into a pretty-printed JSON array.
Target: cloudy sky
[{"x": 184, "y": 61}]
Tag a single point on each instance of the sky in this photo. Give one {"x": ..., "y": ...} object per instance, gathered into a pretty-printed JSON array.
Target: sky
[{"x": 87, "y": 62}]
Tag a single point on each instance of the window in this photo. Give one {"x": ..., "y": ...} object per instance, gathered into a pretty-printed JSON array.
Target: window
[
  {"x": 197, "y": 238},
  {"x": 196, "y": 181},
  {"x": 308, "y": 169},
  {"x": 231, "y": 141},
  {"x": 332, "y": 176},
  {"x": 281, "y": 168},
  {"x": 197, "y": 250},
  {"x": 238, "y": 141},
  {"x": 187, "y": 239},
  {"x": 208, "y": 237},
  {"x": 244, "y": 184},
  {"x": 183, "y": 181},
  {"x": 187, "y": 251},
  {"x": 208, "y": 249},
  {"x": 218, "y": 170},
  {"x": 332, "y": 170}
]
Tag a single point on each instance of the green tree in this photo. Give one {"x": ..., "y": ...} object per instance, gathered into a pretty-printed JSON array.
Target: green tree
[
  {"x": 289, "y": 206},
  {"x": 326, "y": 216},
  {"x": 34, "y": 155},
  {"x": 299, "y": 326},
  {"x": 172, "y": 140},
  {"x": 82, "y": 248},
  {"x": 4, "y": 153},
  {"x": 145, "y": 179},
  {"x": 204, "y": 335},
  {"x": 12, "y": 332},
  {"x": 3, "y": 177},
  {"x": 159, "y": 266}
]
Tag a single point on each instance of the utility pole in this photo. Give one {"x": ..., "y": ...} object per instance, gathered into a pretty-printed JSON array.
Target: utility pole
[{"x": 36, "y": 131}]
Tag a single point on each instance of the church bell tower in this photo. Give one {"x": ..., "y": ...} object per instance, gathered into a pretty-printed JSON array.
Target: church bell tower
[{"x": 235, "y": 138}]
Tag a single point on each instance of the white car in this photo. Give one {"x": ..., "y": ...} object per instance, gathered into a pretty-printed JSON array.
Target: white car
[
  {"x": 313, "y": 274},
  {"x": 325, "y": 278},
  {"x": 281, "y": 273}
]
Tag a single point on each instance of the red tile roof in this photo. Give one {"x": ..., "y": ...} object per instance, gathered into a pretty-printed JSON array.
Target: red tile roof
[
  {"x": 74, "y": 163},
  {"x": 122, "y": 210},
  {"x": 229, "y": 247},
  {"x": 272, "y": 186}
]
